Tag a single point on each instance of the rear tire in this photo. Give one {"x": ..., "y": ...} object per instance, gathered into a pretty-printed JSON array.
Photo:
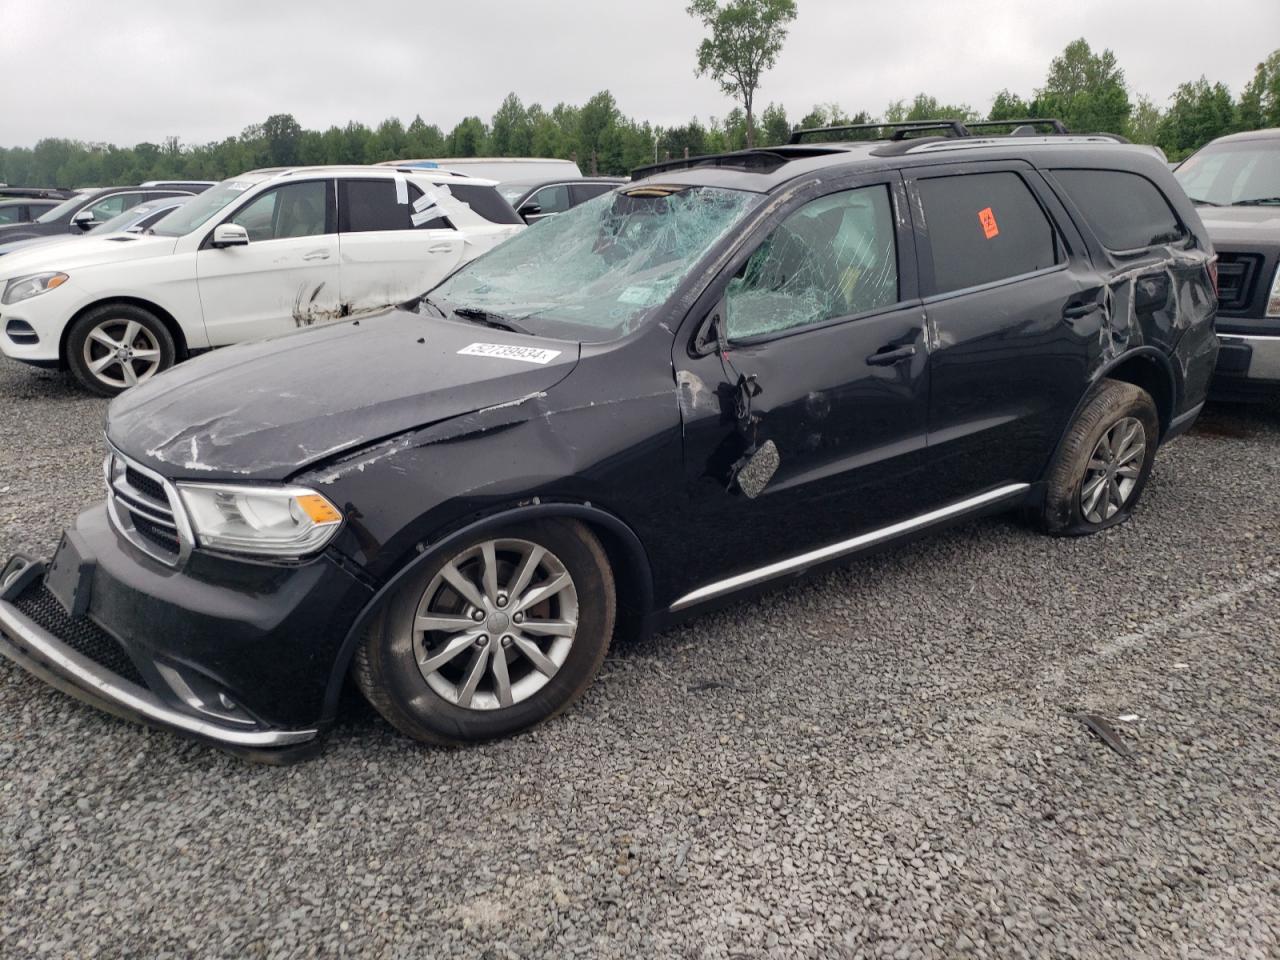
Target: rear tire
[
  {"x": 116, "y": 346},
  {"x": 430, "y": 663},
  {"x": 1104, "y": 462}
]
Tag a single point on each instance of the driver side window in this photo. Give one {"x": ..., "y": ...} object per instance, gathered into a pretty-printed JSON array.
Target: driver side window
[
  {"x": 834, "y": 257},
  {"x": 294, "y": 210}
]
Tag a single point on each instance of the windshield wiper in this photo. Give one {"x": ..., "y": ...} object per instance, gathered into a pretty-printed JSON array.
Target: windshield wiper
[
  {"x": 1255, "y": 202},
  {"x": 1203, "y": 203},
  {"x": 488, "y": 319}
]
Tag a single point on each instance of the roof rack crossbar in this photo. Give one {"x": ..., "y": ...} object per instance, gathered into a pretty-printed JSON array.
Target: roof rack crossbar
[
  {"x": 1057, "y": 125},
  {"x": 901, "y": 129}
]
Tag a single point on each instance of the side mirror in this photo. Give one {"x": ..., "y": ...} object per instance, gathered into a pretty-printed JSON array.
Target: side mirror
[
  {"x": 530, "y": 210},
  {"x": 84, "y": 220},
  {"x": 230, "y": 235}
]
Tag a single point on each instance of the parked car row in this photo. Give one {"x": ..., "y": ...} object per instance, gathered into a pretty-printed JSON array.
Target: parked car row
[
  {"x": 258, "y": 255},
  {"x": 783, "y": 357}
]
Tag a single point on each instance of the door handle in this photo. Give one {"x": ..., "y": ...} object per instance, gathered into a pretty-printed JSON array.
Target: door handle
[
  {"x": 888, "y": 356},
  {"x": 440, "y": 248},
  {"x": 316, "y": 255},
  {"x": 1078, "y": 310}
]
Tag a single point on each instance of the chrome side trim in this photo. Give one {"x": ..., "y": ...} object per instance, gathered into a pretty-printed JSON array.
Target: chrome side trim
[
  {"x": 852, "y": 545},
  {"x": 1249, "y": 336},
  {"x": 32, "y": 640}
]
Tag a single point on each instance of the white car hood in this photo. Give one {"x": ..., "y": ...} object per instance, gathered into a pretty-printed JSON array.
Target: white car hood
[{"x": 85, "y": 252}]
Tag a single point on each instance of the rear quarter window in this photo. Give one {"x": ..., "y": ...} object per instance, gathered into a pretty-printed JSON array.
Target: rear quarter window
[
  {"x": 985, "y": 227},
  {"x": 485, "y": 202},
  {"x": 1125, "y": 210}
]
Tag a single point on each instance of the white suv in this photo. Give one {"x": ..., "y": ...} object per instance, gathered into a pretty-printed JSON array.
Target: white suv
[{"x": 255, "y": 256}]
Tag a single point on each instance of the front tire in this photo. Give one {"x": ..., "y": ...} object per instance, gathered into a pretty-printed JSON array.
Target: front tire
[
  {"x": 117, "y": 346},
  {"x": 1104, "y": 462},
  {"x": 498, "y": 636}
]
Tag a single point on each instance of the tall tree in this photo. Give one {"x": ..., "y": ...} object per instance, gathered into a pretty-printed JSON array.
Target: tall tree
[
  {"x": 1085, "y": 90},
  {"x": 511, "y": 134},
  {"x": 1007, "y": 105},
  {"x": 1198, "y": 114},
  {"x": 746, "y": 38},
  {"x": 1260, "y": 101},
  {"x": 1144, "y": 122},
  {"x": 774, "y": 128}
]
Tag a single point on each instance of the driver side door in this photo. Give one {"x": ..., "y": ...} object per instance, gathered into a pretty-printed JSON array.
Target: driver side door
[
  {"x": 822, "y": 318},
  {"x": 286, "y": 277}
]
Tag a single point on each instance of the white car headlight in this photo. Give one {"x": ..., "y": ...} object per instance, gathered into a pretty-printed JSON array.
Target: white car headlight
[
  {"x": 1273, "y": 300},
  {"x": 270, "y": 521},
  {"x": 24, "y": 288}
]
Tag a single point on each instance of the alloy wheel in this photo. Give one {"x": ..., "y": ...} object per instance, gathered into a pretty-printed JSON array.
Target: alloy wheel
[
  {"x": 121, "y": 353},
  {"x": 1113, "y": 470},
  {"x": 495, "y": 624}
]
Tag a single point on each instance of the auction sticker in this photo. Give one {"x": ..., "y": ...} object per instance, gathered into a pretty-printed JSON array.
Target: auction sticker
[{"x": 508, "y": 351}]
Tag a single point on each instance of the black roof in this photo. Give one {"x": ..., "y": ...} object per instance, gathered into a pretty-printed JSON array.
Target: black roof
[{"x": 763, "y": 169}]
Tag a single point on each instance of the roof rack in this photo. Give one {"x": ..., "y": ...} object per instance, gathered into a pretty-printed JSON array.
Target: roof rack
[
  {"x": 901, "y": 130},
  {"x": 757, "y": 158},
  {"x": 1057, "y": 126}
]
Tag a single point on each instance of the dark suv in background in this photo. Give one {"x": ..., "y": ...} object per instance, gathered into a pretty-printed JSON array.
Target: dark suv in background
[
  {"x": 730, "y": 372},
  {"x": 85, "y": 210},
  {"x": 1235, "y": 181}
]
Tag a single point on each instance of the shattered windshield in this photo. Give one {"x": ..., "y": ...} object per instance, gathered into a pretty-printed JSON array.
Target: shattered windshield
[
  {"x": 1242, "y": 173},
  {"x": 598, "y": 270}
]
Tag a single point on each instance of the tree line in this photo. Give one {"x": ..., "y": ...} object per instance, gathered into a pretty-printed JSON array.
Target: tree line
[{"x": 1085, "y": 89}]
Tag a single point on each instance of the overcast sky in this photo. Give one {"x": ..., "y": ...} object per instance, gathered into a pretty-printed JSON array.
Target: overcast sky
[{"x": 136, "y": 70}]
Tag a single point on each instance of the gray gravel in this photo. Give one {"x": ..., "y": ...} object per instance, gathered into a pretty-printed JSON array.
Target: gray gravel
[{"x": 890, "y": 769}]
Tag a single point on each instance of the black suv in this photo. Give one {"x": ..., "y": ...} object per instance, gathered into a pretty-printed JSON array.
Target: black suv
[
  {"x": 1235, "y": 181},
  {"x": 729, "y": 372}
]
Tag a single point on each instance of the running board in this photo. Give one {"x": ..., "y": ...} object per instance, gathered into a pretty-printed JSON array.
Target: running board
[{"x": 1013, "y": 491}]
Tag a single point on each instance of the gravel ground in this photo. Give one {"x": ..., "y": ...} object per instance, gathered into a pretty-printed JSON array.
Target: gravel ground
[{"x": 882, "y": 762}]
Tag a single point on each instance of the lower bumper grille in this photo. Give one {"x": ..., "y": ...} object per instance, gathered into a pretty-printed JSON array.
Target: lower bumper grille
[{"x": 78, "y": 633}]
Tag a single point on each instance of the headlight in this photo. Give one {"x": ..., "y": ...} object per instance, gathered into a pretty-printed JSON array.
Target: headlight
[
  {"x": 1273, "y": 301},
  {"x": 271, "y": 521},
  {"x": 24, "y": 288}
]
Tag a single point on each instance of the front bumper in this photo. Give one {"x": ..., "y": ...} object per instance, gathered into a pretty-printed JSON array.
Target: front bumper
[
  {"x": 1248, "y": 365},
  {"x": 237, "y": 655}
]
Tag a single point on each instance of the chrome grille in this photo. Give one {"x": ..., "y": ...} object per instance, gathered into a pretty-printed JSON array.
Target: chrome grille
[{"x": 144, "y": 508}]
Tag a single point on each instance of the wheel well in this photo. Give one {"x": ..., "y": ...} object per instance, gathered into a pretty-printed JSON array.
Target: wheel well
[
  {"x": 164, "y": 316},
  {"x": 1148, "y": 373},
  {"x": 630, "y": 582}
]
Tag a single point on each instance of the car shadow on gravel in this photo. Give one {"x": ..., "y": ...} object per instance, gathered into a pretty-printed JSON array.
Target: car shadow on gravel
[{"x": 1238, "y": 421}]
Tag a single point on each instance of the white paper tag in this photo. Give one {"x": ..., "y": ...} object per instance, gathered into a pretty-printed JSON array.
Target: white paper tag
[
  {"x": 402, "y": 190},
  {"x": 425, "y": 202},
  {"x": 507, "y": 351}
]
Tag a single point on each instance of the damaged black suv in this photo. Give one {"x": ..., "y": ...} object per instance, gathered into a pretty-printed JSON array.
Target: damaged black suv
[{"x": 728, "y": 372}]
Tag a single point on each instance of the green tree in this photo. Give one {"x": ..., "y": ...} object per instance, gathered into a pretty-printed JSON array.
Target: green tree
[
  {"x": 746, "y": 38},
  {"x": 282, "y": 135},
  {"x": 1199, "y": 113},
  {"x": 1259, "y": 105},
  {"x": 774, "y": 128},
  {"x": 511, "y": 134},
  {"x": 1144, "y": 122},
  {"x": 1085, "y": 90},
  {"x": 1008, "y": 106},
  {"x": 468, "y": 138},
  {"x": 595, "y": 123}
]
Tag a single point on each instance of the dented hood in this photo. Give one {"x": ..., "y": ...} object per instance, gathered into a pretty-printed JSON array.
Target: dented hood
[{"x": 267, "y": 409}]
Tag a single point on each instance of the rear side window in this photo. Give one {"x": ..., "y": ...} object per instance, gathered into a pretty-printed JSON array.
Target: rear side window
[
  {"x": 371, "y": 205},
  {"x": 985, "y": 227},
  {"x": 485, "y": 202},
  {"x": 582, "y": 192},
  {"x": 1125, "y": 210}
]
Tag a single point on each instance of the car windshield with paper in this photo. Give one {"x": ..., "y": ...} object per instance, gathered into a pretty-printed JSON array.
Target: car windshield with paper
[{"x": 599, "y": 270}]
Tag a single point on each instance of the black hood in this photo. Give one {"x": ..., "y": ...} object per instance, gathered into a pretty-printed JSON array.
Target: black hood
[{"x": 266, "y": 410}]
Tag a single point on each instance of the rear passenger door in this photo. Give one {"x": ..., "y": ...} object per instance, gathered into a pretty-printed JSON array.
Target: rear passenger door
[
  {"x": 394, "y": 243},
  {"x": 1012, "y": 305}
]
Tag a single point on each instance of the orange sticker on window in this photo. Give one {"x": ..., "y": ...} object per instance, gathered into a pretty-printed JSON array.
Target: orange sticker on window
[{"x": 988, "y": 220}]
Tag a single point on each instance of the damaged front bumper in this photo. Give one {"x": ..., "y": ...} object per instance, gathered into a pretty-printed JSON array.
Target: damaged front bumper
[
  {"x": 75, "y": 665},
  {"x": 233, "y": 655}
]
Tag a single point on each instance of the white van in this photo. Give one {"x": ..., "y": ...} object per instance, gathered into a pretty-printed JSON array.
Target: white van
[{"x": 500, "y": 169}]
